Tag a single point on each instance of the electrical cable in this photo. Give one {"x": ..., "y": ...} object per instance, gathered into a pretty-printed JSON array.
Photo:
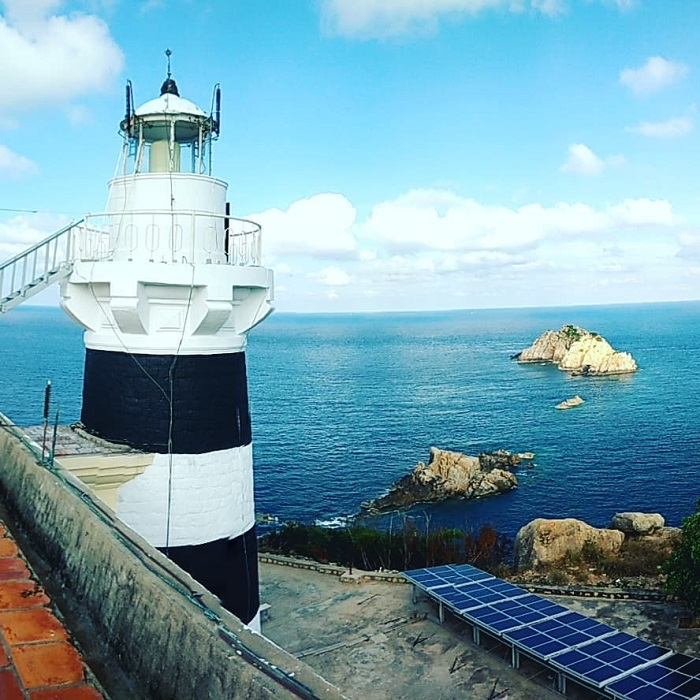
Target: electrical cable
[
  {"x": 285, "y": 679},
  {"x": 171, "y": 371}
]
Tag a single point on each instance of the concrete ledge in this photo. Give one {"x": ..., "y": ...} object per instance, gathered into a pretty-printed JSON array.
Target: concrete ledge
[
  {"x": 167, "y": 633},
  {"x": 358, "y": 576},
  {"x": 345, "y": 575},
  {"x": 596, "y": 592}
]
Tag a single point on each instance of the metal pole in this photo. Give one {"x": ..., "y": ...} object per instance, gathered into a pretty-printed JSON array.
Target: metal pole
[
  {"x": 47, "y": 403},
  {"x": 55, "y": 431}
]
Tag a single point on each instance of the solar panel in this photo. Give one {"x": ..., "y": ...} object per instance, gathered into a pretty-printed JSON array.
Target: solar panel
[
  {"x": 606, "y": 659},
  {"x": 676, "y": 677},
  {"x": 449, "y": 574},
  {"x": 517, "y": 612},
  {"x": 480, "y": 593},
  {"x": 628, "y": 667},
  {"x": 551, "y": 637}
]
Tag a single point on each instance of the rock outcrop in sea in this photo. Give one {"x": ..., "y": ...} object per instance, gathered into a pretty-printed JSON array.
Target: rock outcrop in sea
[
  {"x": 578, "y": 351},
  {"x": 570, "y": 403},
  {"x": 451, "y": 475}
]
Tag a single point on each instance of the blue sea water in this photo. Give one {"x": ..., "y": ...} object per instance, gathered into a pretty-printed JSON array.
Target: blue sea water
[{"x": 343, "y": 405}]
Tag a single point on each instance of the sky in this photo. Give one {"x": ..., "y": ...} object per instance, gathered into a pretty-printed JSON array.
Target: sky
[{"x": 399, "y": 154}]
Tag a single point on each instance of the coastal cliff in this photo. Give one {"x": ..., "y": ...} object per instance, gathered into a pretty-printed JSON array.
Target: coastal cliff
[
  {"x": 451, "y": 475},
  {"x": 578, "y": 351}
]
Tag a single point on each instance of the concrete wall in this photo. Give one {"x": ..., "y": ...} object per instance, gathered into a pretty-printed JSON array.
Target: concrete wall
[{"x": 167, "y": 633}]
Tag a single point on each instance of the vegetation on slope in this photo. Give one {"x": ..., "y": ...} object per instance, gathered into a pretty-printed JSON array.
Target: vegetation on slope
[
  {"x": 397, "y": 549},
  {"x": 683, "y": 568}
]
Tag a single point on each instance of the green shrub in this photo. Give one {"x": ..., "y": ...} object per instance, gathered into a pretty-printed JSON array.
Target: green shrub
[
  {"x": 638, "y": 557},
  {"x": 683, "y": 567},
  {"x": 404, "y": 548}
]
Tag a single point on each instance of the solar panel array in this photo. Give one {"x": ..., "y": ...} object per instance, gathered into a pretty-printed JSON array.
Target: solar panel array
[
  {"x": 676, "y": 677},
  {"x": 606, "y": 659},
  {"x": 512, "y": 614},
  {"x": 551, "y": 637},
  {"x": 626, "y": 667}
]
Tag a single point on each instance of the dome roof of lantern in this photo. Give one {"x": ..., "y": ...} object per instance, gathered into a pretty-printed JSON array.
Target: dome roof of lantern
[{"x": 169, "y": 103}]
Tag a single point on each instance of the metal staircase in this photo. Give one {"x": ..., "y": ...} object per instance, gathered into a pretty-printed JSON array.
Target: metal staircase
[{"x": 36, "y": 268}]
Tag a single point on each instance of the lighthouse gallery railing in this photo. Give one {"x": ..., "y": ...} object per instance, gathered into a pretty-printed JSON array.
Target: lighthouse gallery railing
[
  {"x": 164, "y": 236},
  {"x": 226, "y": 240}
]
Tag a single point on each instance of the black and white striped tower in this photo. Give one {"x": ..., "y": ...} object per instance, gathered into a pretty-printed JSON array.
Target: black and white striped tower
[{"x": 167, "y": 286}]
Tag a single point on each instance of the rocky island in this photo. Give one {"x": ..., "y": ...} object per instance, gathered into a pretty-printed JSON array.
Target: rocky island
[
  {"x": 578, "y": 351},
  {"x": 451, "y": 475}
]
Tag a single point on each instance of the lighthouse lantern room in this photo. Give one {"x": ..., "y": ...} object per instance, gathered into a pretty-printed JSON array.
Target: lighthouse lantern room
[{"x": 167, "y": 285}]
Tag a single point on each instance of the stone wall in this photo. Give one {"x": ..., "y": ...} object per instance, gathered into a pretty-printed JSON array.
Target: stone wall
[
  {"x": 166, "y": 632},
  {"x": 343, "y": 573}
]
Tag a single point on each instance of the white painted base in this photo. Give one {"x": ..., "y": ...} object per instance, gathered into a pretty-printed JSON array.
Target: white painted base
[
  {"x": 254, "y": 624},
  {"x": 162, "y": 309},
  {"x": 209, "y": 496}
]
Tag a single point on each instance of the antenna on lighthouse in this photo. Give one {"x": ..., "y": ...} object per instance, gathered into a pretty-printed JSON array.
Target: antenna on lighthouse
[
  {"x": 216, "y": 110},
  {"x": 169, "y": 86},
  {"x": 129, "y": 109}
]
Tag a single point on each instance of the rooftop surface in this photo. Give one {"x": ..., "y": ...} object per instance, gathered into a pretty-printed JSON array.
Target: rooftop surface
[
  {"x": 72, "y": 440},
  {"x": 371, "y": 640},
  {"x": 38, "y": 659}
]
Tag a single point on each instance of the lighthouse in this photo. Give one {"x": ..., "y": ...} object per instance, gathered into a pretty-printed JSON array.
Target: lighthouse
[{"x": 167, "y": 285}]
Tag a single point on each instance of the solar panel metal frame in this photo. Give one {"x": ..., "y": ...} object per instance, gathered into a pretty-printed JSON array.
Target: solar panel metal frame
[
  {"x": 473, "y": 594},
  {"x": 430, "y": 579},
  {"x": 469, "y": 592},
  {"x": 521, "y": 611},
  {"x": 578, "y": 629},
  {"x": 674, "y": 665},
  {"x": 480, "y": 593},
  {"x": 597, "y": 663}
]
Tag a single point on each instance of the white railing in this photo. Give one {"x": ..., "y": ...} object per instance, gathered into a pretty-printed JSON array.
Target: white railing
[
  {"x": 159, "y": 236},
  {"x": 36, "y": 268},
  {"x": 164, "y": 236}
]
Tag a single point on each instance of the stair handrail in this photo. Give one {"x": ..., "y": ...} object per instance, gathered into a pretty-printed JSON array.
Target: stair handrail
[{"x": 40, "y": 244}]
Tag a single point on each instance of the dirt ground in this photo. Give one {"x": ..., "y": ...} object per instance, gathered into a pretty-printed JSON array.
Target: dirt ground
[{"x": 373, "y": 642}]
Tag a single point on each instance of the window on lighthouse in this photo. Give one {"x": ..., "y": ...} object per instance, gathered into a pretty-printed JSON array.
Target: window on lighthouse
[{"x": 162, "y": 155}]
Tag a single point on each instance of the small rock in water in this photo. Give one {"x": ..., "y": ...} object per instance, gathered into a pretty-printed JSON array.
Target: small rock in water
[{"x": 570, "y": 403}]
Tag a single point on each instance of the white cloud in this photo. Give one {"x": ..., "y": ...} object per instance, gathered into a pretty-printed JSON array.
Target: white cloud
[
  {"x": 671, "y": 128},
  {"x": 656, "y": 74},
  {"x": 431, "y": 248},
  {"x": 20, "y": 232},
  {"x": 78, "y": 115},
  {"x": 642, "y": 212},
  {"x": 384, "y": 18},
  {"x": 46, "y": 58},
  {"x": 13, "y": 165},
  {"x": 581, "y": 160},
  {"x": 413, "y": 223},
  {"x": 689, "y": 246},
  {"x": 549, "y": 7},
  {"x": 390, "y": 18},
  {"x": 331, "y": 277},
  {"x": 318, "y": 226},
  {"x": 28, "y": 12}
]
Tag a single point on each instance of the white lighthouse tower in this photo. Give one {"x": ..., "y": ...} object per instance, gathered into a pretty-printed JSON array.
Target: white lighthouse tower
[{"x": 167, "y": 286}]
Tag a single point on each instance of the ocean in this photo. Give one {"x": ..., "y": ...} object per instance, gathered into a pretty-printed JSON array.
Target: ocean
[{"x": 345, "y": 404}]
